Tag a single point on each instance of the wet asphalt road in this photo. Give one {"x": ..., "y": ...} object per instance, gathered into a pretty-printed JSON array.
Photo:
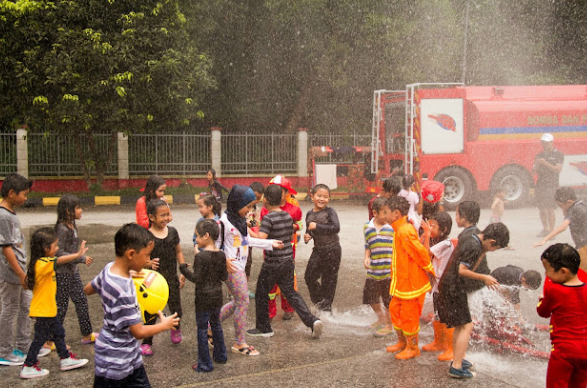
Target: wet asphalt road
[{"x": 347, "y": 355}]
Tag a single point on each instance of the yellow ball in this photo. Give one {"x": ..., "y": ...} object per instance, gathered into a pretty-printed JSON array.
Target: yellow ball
[{"x": 152, "y": 292}]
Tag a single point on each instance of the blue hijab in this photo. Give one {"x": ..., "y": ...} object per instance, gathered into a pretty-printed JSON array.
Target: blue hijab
[{"x": 239, "y": 197}]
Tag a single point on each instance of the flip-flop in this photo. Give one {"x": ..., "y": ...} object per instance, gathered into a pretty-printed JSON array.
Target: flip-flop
[
  {"x": 250, "y": 351},
  {"x": 91, "y": 340},
  {"x": 53, "y": 347}
]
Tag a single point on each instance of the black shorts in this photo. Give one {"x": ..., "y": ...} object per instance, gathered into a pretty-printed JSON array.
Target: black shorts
[
  {"x": 376, "y": 291},
  {"x": 544, "y": 196},
  {"x": 138, "y": 379},
  {"x": 453, "y": 308}
]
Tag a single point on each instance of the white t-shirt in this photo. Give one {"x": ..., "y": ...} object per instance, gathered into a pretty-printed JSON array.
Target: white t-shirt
[{"x": 442, "y": 252}]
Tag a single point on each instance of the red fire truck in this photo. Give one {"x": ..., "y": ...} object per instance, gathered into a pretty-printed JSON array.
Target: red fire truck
[{"x": 478, "y": 138}]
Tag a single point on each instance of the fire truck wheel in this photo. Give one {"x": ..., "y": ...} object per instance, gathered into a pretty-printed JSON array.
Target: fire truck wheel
[
  {"x": 516, "y": 181},
  {"x": 459, "y": 186}
]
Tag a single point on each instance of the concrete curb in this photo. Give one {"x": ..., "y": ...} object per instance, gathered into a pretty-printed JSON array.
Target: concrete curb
[{"x": 184, "y": 199}]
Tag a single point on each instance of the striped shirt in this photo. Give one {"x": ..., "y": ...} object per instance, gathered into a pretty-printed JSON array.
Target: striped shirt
[
  {"x": 117, "y": 351},
  {"x": 279, "y": 226},
  {"x": 380, "y": 243}
]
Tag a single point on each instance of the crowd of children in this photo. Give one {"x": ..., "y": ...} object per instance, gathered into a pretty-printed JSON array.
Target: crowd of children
[{"x": 408, "y": 254}]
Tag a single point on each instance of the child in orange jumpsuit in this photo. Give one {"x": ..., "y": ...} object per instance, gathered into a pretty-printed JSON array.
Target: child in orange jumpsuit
[{"x": 410, "y": 267}]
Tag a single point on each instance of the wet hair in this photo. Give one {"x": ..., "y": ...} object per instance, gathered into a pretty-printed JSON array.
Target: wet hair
[
  {"x": 392, "y": 185},
  {"x": 208, "y": 226},
  {"x": 66, "y": 209},
  {"x": 565, "y": 194},
  {"x": 257, "y": 187},
  {"x": 319, "y": 186},
  {"x": 500, "y": 189},
  {"x": 210, "y": 200},
  {"x": 532, "y": 278},
  {"x": 153, "y": 183},
  {"x": 153, "y": 205},
  {"x": 562, "y": 256},
  {"x": 16, "y": 183},
  {"x": 429, "y": 209},
  {"x": 498, "y": 232},
  {"x": 470, "y": 211},
  {"x": 131, "y": 236},
  {"x": 398, "y": 203},
  {"x": 40, "y": 242},
  {"x": 444, "y": 224},
  {"x": 407, "y": 181},
  {"x": 273, "y": 195},
  {"x": 379, "y": 203},
  {"x": 213, "y": 172}
]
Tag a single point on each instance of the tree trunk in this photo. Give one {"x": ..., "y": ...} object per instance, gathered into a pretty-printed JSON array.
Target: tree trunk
[
  {"x": 296, "y": 116},
  {"x": 82, "y": 160}
]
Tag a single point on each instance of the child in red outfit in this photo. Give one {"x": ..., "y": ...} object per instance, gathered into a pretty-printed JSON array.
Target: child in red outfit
[
  {"x": 410, "y": 266},
  {"x": 564, "y": 300}
]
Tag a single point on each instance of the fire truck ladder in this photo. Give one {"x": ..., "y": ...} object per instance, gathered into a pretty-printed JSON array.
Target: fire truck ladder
[{"x": 375, "y": 141}]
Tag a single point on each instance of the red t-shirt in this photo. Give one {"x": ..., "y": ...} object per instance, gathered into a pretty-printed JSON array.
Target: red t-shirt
[{"x": 567, "y": 308}]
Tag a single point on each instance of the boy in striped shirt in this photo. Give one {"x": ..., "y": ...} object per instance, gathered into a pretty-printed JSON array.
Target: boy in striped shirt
[{"x": 378, "y": 251}]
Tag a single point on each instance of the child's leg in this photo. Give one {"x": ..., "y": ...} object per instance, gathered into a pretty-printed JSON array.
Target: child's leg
[
  {"x": 461, "y": 337},
  {"x": 42, "y": 332},
  {"x": 312, "y": 275},
  {"x": 272, "y": 301},
  {"x": 80, "y": 300},
  {"x": 22, "y": 340},
  {"x": 558, "y": 373},
  {"x": 265, "y": 282},
  {"x": 174, "y": 301},
  {"x": 149, "y": 320},
  {"x": 10, "y": 299},
  {"x": 219, "y": 353},
  {"x": 285, "y": 280},
  {"x": 579, "y": 376},
  {"x": 204, "y": 361},
  {"x": 62, "y": 295},
  {"x": 331, "y": 266},
  {"x": 238, "y": 287}
]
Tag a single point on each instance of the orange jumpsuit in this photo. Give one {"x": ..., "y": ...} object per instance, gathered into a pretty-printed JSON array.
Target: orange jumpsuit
[{"x": 409, "y": 280}]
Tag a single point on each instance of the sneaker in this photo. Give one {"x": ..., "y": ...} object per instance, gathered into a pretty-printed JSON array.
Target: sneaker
[
  {"x": 43, "y": 352},
  {"x": 251, "y": 295},
  {"x": 288, "y": 315},
  {"x": 258, "y": 333},
  {"x": 146, "y": 350},
  {"x": 31, "y": 372},
  {"x": 462, "y": 373},
  {"x": 467, "y": 364},
  {"x": 317, "y": 329},
  {"x": 176, "y": 336},
  {"x": 72, "y": 362},
  {"x": 11, "y": 360},
  {"x": 19, "y": 354}
]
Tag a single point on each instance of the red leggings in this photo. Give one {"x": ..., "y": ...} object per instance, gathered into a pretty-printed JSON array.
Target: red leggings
[{"x": 566, "y": 372}]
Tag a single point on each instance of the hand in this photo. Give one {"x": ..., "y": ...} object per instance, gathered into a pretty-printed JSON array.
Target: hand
[
  {"x": 426, "y": 227},
  {"x": 169, "y": 322},
  {"x": 82, "y": 249},
  {"x": 491, "y": 282},
  {"x": 307, "y": 238},
  {"x": 367, "y": 263},
  {"x": 230, "y": 267},
  {"x": 89, "y": 260},
  {"x": 154, "y": 264},
  {"x": 539, "y": 244},
  {"x": 23, "y": 281},
  {"x": 312, "y": 226},
  {"x": 276, "y": 244},
  {"x": 181, "y": 281}
]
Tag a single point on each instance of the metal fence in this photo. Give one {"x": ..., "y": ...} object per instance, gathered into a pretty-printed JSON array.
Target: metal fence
[
  {"x": 261, "y": 154},
  {"x": 168, "y": 154},
  {"x": 334, "y": 141},
  {"x": 7, "y": 153},
  {"x": 57, "y": 155}
]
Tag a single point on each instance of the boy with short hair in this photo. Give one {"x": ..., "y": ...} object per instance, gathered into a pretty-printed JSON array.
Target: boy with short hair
[
  {"x": 410, "y": 266},
  {"x": 564, "y": 300},
  {"x": 391, "y": 187},
  {"x": 278, "y": 268},
  {"x": 516, "y": 278},
  {"x": 575, "y": 213},
  {"x": 377, "y": 261},
  {"x": 453, "y": 307},
  {"x": 15, "y": 324},
  {"x": 498, "y": 205},
  {"x": 118, "y": 358}
]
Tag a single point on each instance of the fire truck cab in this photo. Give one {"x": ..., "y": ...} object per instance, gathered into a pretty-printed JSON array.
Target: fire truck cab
[{"x": 478, "y": 138}]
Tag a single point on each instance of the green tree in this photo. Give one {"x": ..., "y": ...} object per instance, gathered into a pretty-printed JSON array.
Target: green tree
[{"x": 86, "y": 67}]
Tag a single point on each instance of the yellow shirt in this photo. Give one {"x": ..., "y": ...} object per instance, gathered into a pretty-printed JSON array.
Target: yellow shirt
[{"x": 43, "y": 303}]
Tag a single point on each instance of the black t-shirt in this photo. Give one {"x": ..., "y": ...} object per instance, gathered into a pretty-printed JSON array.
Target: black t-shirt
[
  {"x": 327, "y": 227},
  {"x": 467, "y": 252},
  {"x": 165, "y": 251},
  {"x": 577, "y": 216},
  {"x": 546, "y": 176},
  {"x": 208, "y": 275},
  {"x": 510, "y": 275}
]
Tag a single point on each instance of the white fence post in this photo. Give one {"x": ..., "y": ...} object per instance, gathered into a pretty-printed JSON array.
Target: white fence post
[
  {"x": 302, "y": 152},
  {"x": 216, "y": 150},
  {"x": 22, "y": 152},
  {"x": 122, "y": 153}
]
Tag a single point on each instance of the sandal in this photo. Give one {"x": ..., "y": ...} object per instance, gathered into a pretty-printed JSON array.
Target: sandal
[
  {"x": 92, "y": 339},
  {"x": 53, "y": 347},
  {"x": 250, "y": 351}
]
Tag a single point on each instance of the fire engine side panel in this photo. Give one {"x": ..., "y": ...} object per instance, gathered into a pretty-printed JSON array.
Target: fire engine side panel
[{"x": 442, "y": 129}]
